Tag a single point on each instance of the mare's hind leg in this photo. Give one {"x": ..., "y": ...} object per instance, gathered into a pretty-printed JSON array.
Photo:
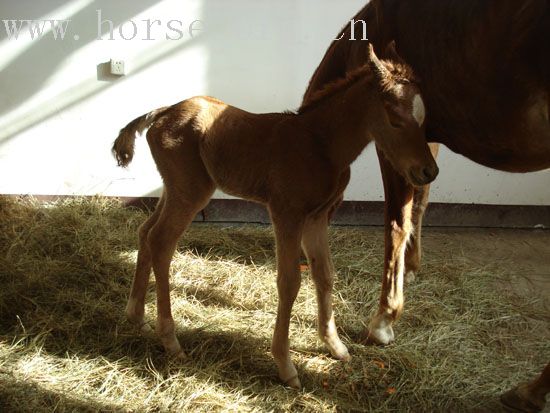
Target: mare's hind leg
[
  {"x": 288, "y": 233},
  {"x": 413, "y": 254},
  {"x": 528, "y": 397},
  {"x": 135, "y": 307},
  {"x": 315, "y": 245}
]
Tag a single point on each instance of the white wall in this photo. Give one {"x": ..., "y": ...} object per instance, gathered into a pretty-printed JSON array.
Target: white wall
[{"x": 58, "y": 121}]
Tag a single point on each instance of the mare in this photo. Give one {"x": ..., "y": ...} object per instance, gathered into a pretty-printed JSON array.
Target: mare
[{"x": 484, "y": 73}]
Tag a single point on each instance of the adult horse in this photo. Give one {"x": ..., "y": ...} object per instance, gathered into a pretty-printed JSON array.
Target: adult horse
[{"x": 484, "y": 68}]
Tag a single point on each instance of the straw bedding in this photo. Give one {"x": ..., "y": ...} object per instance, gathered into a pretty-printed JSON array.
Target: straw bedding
[{"x": 66, "y": 268}]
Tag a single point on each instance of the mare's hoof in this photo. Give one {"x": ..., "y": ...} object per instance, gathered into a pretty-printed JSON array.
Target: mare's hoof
[
  {"x": 380, "y": 331},
  {"x": 410, "y": 277},
  {"x": 516, "y": 400},
  {"x": 379, "y": 336}
]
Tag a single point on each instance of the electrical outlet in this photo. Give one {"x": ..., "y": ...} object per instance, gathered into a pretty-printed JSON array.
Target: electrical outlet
[{"x": 118, "y": 67}]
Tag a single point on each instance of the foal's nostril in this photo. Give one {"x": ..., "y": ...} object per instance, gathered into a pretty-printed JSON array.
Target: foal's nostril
[
  {"x": 430, "y": 173},
  {"x": 423, "y": 176},
  {"x": 427, "y": 173}
]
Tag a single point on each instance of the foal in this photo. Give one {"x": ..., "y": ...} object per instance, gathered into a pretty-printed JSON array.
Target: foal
[{"x": 294, "y": 163}]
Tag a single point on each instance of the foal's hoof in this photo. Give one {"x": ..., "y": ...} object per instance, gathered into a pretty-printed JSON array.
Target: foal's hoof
[
  {"x": 517, "y": 400},
  {"x": 289, "y": 375},
  {"x": 180, "y": 355},
  {"x": 293, "y": 382},
  {"x": 145, "y": 328},
  {"x": 337, "y": 349},
  {"x": 141, "y": 325},
  {"x": 173, "y": 347},
  {"x": 340, "y": 353},
  {"x": 345, "y": 357},
  {"x": 176, "y": 352}
]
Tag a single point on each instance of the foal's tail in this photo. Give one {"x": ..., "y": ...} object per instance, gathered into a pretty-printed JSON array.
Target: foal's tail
[{"x": 123, "y": 148}]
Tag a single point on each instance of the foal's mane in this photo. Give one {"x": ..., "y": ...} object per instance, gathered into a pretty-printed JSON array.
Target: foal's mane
[{"x": 400, "y": 73}]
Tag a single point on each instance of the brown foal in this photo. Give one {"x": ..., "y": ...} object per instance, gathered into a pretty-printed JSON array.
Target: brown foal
[{"x": 294, "y": 163}]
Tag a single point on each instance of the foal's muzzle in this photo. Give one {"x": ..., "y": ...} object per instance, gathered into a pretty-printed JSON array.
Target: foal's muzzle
[{"x": 423, "y": 176}]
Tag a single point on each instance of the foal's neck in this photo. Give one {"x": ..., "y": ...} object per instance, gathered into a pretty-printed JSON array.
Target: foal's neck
[{"x": 344, "y": 120}]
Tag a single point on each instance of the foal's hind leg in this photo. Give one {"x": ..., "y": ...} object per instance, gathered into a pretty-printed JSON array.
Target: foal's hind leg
[
  {"x": 135, "y": 308},
  {"x": 288, "y": 236},
  {"x": 187, "y": 189},
  {"x": 175, "y": 217},
  {"x": 315, "y": 245}
]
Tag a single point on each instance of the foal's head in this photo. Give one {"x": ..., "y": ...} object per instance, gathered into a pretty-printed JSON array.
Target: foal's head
[{"x": 399, "y": 131}]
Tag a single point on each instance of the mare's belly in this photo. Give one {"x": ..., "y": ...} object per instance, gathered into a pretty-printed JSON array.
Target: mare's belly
[{"x": 523, "y": 145}]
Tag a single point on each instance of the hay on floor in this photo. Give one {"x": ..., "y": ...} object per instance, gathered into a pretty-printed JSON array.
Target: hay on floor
[{"x": 66, "y": 268}]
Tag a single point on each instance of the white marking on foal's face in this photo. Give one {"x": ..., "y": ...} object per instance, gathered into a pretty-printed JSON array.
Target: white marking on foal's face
[
  {"x": 419, "y": 110},
  {"x": 399, "y": 90}
]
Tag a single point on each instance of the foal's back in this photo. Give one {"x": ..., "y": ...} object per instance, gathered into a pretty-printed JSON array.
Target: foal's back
[{"x": 245, "y": 154}]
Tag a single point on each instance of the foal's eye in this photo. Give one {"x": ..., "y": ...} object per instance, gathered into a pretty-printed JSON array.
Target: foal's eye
[
  {"x": 395, "y": 118},
  {"x": 396, "y": 125}
]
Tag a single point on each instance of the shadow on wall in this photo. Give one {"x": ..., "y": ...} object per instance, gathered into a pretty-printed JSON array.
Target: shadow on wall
[
  {"x": 255, "y": 71},
  {"x": 241, "y": 61},
  {"x": 32, "y": 68},
  {"x": 225, "y": 25},
  {"x": 28, "y": 9}
]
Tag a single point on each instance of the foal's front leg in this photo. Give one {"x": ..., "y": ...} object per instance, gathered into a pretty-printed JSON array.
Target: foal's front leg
[
  {"x": 315, "y": 245},
  {"x": 288, "y": 283}
]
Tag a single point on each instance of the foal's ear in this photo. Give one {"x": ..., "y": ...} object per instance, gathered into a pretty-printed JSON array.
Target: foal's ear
[
  {"x": 376, "y": 65},
  {"x": 391, "y": 53}
]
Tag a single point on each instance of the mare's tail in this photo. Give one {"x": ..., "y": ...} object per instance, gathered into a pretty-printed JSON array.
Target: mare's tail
[{"x": 123, "y": 147}]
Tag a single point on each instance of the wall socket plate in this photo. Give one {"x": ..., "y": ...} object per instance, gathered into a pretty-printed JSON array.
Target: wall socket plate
[{"x": 118, "y": 67}]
